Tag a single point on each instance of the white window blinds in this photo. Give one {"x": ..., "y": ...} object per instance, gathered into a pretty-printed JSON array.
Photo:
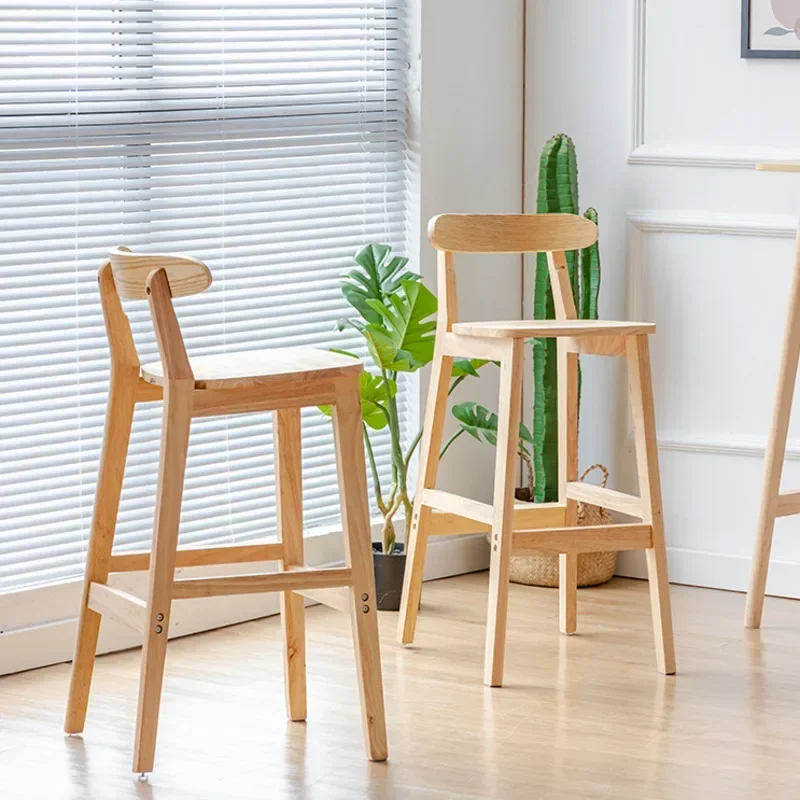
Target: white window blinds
[{"x": 265, "y": 137}]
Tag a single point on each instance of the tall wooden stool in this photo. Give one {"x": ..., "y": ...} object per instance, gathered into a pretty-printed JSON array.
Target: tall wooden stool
[
  {"x": 775, "y": 503},
  {"x": 281, "y": 381},
  {"x": 547, "y": 526}
]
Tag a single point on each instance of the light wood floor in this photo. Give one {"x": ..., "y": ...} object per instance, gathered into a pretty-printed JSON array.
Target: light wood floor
[{"x": 580, "y": 717}]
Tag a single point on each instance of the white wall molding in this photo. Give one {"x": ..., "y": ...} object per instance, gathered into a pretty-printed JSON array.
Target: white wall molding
[
  {"x": 727, "y": 445},
  {"x": 705, "y": 156},
  {"x": 715, "y": 571},
  {"x": 701, "y": 223},
  {"x": 782, "y": 226},
  {"x": 700, "y": 155}
]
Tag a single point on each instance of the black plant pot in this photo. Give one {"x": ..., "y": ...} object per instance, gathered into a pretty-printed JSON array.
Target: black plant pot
[{"x": 389, "y": 571}]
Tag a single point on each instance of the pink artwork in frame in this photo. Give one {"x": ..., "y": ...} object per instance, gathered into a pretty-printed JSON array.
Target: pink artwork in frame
[{"x": 770, "y": 28}]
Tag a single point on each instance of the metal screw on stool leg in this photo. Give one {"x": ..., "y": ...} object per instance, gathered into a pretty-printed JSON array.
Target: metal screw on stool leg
[
  {"x": 365, "y": 609},
  {"x": 365, "y": 596},
  {"x": 159, "y": 629},
  {"x": 160, "y": 617}
]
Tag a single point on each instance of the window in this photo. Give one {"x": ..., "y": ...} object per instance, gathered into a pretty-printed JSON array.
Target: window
[{"x": 265, "y": 137}]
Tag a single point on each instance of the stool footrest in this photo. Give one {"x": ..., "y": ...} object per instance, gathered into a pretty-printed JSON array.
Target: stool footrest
[
  {"x": 605, "y": 498},
  {"x": 120, "y": 606},
  {"x": 586, "y": 538},
  {"x": 338, "y": 598},
  {"x": 201, "y": 556},
  {"x": 788, "y": 504},
  {"x": 288, "y": 581},
  {"x": 454, "y": 514}
]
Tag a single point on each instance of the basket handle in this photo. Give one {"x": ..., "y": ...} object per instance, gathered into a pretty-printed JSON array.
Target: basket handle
[{"x": 603, "y": 469}]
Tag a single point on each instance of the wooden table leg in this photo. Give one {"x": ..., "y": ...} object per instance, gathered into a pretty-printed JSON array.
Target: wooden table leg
[{"x": 776, "y": 451}]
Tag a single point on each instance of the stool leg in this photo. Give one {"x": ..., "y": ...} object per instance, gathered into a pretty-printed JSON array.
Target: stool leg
[
  {"x": 174, "y": 444},
  {"x": 119, "y": 418},
  {"x": 644, "y": 429},
  {"x": 288, "y": 491},
  {"x": 505, "y": 474},
  {"x": 568, "y": 471},
  {"x": 776, "y": 451},
  {"x": 417, "y": 537},
  {"x": 352, "y": 472}
]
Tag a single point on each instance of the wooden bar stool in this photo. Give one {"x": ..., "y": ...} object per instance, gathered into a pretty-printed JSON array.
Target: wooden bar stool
[
  {"x": 547, "y": 526},
  {"x": 281, "y": 381}
]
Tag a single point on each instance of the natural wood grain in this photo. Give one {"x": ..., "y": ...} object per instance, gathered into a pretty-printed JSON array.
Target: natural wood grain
[
  {"x": 548, "y": 328},
  {"x": 177, "y": 420},
  {"x": 338, "y": 598},
  {"x": 420, "y": 528},
  {"x": 640, "y": 385},
  {"x": 582, "y": 717},
  {"x": 585, "y": 538},
  {"x": 505, "y": 479},
  {"x": 443, "y": 512},
  {"x": 116, "y": 437},
  {"x": 261, "y": 367},
  {"x": 261, "y": 582},
  {"x": 776, "y": 450},
  {"x": 564, "y": 304},
  {"x": 568, "y": 473},
  {"x": 787, "y": 505},
  {"x": 186, "y": 275},
  {"x": 563, "y": 301},
  {"x": 455, "y": 504},
  {"x": 779, "y": 166},
  {"x": 510, "y": 233},
  {"x": 275, "y": 380},
  {"x": 119, "y": 605},
  {"x": 289, "y": 503},
  {"x": 258, "y": 398},
  {"x": 526, "y": 516},
  {"x": 470, "y": 346},
  {"x": 352, "y": 474},
  {"x": 175, "y": 360},
  {"x": 201, "y": 556},
  {"x": 605, "y": 498},
  {"x": 596, "y": 345}
]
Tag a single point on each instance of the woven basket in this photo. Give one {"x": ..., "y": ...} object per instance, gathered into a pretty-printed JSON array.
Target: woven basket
[{"x": 541, "y": 569}]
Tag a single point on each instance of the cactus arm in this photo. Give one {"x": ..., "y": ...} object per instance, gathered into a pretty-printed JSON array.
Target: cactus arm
[
  {"x": 567, "y": 172},
  {"x": 590, "y": 269}
]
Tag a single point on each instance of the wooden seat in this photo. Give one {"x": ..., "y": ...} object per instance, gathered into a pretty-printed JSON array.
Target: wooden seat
[
  {"x": 549, "y": 527},
  {"x": 546, "y": 328},
  {"x": 279, "y": 380},
  {"x": 259, "y": 368}
]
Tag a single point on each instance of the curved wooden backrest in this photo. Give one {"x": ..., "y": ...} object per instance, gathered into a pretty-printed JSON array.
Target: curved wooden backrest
[
  {"x": 186, "y": 275},
  {"x": 511, "y": 233}
]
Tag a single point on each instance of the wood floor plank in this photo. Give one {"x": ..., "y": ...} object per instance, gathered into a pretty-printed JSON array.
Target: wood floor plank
[{"x": 583, "y": 716}]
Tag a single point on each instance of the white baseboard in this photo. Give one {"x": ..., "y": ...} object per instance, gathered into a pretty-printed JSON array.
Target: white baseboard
[
  {"x": 715, "y": 571},
  {"x": 31, "y": 644}
]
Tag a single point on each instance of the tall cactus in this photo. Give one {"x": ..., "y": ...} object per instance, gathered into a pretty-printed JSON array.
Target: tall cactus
[{"x": 557, "y": 193}]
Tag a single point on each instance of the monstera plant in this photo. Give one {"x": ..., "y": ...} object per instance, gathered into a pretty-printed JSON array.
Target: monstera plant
[{"x": 396, "y": 319}]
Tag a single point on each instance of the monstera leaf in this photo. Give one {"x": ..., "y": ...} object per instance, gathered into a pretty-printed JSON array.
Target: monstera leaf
[
  {"x": 375, "y": 395},
  {"x": 377, "y": 277},
  {"x": 463, "y": 367},
  {"x": 477, "y": 421},
  {"x": 481, "y": 423},
  {"x": 403, "y": 339}
]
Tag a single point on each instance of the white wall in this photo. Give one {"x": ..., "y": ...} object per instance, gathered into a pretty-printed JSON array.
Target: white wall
[{"x": 669, "y": 122}]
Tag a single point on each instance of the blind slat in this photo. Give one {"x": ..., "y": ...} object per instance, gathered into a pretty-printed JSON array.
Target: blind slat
[{"x": 266, "y": 138}]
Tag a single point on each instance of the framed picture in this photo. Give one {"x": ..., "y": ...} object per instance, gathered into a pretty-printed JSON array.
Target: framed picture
[{"x": 770, "y": 28}]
